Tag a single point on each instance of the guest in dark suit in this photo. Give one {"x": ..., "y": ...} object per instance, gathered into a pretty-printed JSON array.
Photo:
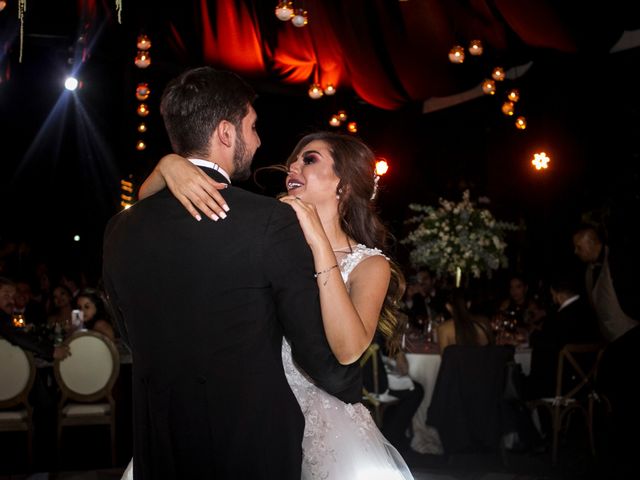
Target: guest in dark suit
[
  {"x": 205, "y": 306},
  {"x": 573, "y": 322}
]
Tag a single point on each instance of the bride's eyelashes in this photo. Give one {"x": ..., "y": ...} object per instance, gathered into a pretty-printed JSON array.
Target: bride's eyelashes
[{"x": 308, "y": 158}]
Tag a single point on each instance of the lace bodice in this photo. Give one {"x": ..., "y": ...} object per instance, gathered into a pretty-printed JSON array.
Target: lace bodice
[{"x": 353, "y": 258}]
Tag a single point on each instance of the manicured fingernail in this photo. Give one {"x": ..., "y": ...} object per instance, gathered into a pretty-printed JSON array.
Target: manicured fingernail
[
  {"x": 223, "y": 215},
  {"x": 198, "y": 217},
  {"x": 225, "y": 207},
  {"x": 214, "y": 217}
]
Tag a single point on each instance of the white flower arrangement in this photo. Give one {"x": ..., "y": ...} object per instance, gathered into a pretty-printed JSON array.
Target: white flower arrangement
[{"x": 457, "y": 238}]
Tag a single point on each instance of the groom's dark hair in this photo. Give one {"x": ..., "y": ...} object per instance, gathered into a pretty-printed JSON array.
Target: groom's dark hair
[{"x": 194, "y": 103}]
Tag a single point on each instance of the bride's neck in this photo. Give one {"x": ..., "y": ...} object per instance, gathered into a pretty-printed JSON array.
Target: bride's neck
[{"x": 331, "y": 224}]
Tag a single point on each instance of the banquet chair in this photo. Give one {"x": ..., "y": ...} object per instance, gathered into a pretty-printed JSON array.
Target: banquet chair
[
  {"x": 575, "y": 391},
  {"x": 375, "y": 400},
  {"x": 17, "y": 374},
  {"x": 86, "y": 379},
  {"x": 468, "y": 407}
]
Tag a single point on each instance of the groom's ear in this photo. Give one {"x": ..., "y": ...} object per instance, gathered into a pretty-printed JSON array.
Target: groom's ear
[{"x": 226, "y": 133}]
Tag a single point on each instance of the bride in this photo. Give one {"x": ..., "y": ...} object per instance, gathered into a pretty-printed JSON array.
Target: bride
[{"x": 331, "y": 186}]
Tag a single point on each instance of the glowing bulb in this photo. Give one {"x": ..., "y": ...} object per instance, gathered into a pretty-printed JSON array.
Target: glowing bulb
[
  {"x": 498, "y": 74},
  {"x": 489, "y": 87},
  {"x": 521, "y": 123},
  {"x": 352, "y": 127},
  {"x": 140, "y": 145},
  {"x": 315, "y": 91},
  {"x": 284, "y": 11},
  {"x": 342, "y": 115},
  {"x": 540, "y": 161},
  {"x": 142, "y": 127},
  {"x": 382, "y": 167},
  {"x": 508, "y": 108},
  {"x": 3, "y": 4},
  {"x": 330, "y": 89},
  {"x": 456, "y": 54},
  {"x": 76, "y": 238},
  {"x": 300, "y": 18},
  {"x": 143, "y": 42},
  {"x": 334, "y": 121},
  {"x": 513, "y": 95},
  {"x": 142, "y": 91},
  {"x": 143, "y": 110},
  {"x": 71, "y": 83},
  {"x": 475, "y": 47},
  {"x": 142, "y": 60}
]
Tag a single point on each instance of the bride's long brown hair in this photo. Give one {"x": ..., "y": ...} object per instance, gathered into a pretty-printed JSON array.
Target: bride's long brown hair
[{"x": 354, "y": 165}]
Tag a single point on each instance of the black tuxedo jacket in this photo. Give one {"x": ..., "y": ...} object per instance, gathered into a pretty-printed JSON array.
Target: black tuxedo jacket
[{"x": 204, "y": 306}]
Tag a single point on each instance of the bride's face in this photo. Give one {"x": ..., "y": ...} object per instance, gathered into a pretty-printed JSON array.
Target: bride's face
[{"x": 311, "y": 176}]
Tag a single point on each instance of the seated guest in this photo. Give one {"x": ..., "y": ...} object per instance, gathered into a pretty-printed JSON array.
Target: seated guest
[
  {"x": 31, "y": 310},
  {"x": 463, "y": 328},
  {"x": 573, "y": 322},
  {"x": 520, "y": 305},
  {"x": 62, "y": 307},
  {"x": 17, "y": 336},
  {"x": 94, "y": 313}
]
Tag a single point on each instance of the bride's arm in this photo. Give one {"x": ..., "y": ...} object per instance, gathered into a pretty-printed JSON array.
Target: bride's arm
[
  {"x": 350, "y": 318},
  {"x": 189, "y": 184}
]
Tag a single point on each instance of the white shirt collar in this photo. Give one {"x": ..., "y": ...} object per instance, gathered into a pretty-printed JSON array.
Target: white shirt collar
[
  {"x": 208, "y": 164},
  {"x": 568, "y": 302}
]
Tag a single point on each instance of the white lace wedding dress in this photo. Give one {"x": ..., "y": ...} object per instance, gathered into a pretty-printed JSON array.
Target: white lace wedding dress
[{"x": 341, "y": 441}]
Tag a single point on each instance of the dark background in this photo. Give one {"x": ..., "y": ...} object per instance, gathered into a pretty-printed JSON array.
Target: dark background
[{"x": 63, "y": 154}]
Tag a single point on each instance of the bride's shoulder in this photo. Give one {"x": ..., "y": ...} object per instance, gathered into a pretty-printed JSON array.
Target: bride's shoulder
[{"x": 365, "y": 259}]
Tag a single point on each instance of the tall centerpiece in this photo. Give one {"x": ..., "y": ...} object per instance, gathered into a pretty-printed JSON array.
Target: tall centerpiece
[{"x": 456, "y": 239}]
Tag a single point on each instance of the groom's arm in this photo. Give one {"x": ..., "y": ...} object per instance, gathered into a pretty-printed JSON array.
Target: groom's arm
[{"x": 289, "y": 266}]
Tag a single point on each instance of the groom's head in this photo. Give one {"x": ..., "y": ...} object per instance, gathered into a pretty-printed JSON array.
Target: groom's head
[{"x": 204, "y": 101}]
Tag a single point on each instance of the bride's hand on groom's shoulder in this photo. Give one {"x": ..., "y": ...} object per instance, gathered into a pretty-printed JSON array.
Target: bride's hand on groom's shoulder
[{"x": 194, "y": 189}]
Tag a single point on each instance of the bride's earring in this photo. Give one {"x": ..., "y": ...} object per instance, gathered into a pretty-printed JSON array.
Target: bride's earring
[{"x": 339, "y": 193}]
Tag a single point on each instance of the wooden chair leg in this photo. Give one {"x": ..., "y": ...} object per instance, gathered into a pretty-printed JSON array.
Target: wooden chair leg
[{"x": 556, "y": 434}]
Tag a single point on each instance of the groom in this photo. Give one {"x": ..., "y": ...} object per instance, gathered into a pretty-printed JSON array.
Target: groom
[{"x": 204, "y": 306}]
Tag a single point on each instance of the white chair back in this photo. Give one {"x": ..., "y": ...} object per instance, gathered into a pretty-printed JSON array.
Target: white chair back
[
  {"x": 15, "y": 371},
  {"x": 92, "y": 366}
]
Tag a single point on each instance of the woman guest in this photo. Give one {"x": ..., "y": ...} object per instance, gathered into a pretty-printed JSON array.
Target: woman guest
[
  {"x": 463, "y": 328},
  {"x": 62, "y": 306},
  {"x": 94, "y": 313}
]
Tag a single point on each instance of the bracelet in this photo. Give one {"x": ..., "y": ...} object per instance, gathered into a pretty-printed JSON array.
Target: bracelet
[{"x": 317, "y": 274}]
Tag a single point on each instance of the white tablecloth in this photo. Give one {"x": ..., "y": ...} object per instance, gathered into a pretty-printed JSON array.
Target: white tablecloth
[{"x": 423, "y": 368}]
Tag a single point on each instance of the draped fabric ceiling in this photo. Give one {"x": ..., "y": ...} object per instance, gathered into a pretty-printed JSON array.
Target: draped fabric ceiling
[{"x": 388, "y": 52}]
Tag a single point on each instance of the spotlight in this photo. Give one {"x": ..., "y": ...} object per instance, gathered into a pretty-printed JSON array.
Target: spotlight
[
  {"x": 71, "y": 83},
  {"x": 76, "y": 238}
]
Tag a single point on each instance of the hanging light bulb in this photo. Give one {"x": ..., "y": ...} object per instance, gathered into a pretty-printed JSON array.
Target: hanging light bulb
[
  {"x": 521, "y": 123},
  {"x": 141, "y": 145},
  {"x": 330, "y": 89},
  {"x": 541, "y": 161},
  {"x": 513, "y": 95},
  {"x": 475, "y": 48},
  {"x": 284, "y": 11},
  {"x": 143, "y": 42},
  {"x": 142, "y": 91},
  {"x": 334, "y": 121},
  {"x": 300, "y": 18},
  {"x": 489, "y": 87},
  {"x": 143, "y": 110},
  {"x": 382, "y": 167},
  {"x": 352, "y": 127},
  {"x": 342, "y": 115},
  {"x": 498, "y": 74},
  {"x": 142, "y": 60},
  {"x": 456, "y": 54},
  {"x": 142, "y": 127},
  {"x": 508, "y": 108},
  {"x": 315, "y": 91}
]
